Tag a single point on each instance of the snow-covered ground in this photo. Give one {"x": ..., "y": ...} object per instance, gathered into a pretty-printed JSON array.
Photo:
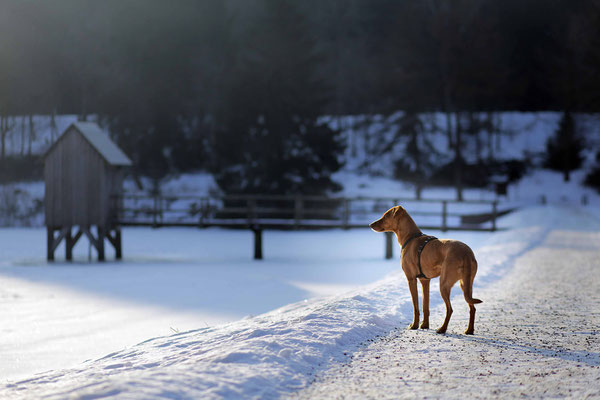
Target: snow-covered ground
[
  {"x": 57, "y": 316},
  {"x": 170, "y": 280}
]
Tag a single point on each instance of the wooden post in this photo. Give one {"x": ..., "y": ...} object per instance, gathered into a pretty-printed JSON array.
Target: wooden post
[
  {"x": 100, "y": 243},
  {"x": 297, "y": 210},
  {"x": 50, "y": 242},
  {"x": 444, "y": 216},
  {"x": 69, "y": 244},
  {"x": 258, "y": 255},
  {"x": 346, "y": 213},
  {"x": 203, "y": 210},
  {"x": 389, "y": 242},
  {"x": 118, "y": 244},
  {"x": 114, "y": 239},
  {"x": 251, "y": 211},
  {"x": 155, "y": 212}
]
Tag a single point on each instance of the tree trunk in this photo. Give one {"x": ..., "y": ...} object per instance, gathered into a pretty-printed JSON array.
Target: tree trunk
[
  {"x": 476, "y": 130},
  {"x": 31, "y": 137},
  {"x": 3, "y": 131},
  {"x": 419, "y": 184},
  {"x": 23, "y": 123},
  {"x": 492, "y": 128},
  {"x": 449, "y": 129},
  {"x": 458, "y": 159}
]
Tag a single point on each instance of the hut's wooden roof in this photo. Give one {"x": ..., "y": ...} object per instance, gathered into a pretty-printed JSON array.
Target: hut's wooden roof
[{"x": 99, "y": 141}]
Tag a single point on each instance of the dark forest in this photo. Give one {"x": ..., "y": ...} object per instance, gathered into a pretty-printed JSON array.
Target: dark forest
[{"x": 211, "y": 84}]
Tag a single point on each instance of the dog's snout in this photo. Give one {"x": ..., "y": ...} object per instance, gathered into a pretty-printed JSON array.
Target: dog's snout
[{"x": 375, "y": 226}]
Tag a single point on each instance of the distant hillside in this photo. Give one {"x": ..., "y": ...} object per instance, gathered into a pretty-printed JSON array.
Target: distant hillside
[{"x": 372, "y": 152}]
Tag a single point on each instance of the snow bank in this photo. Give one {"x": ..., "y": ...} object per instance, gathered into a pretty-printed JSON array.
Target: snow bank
[{"x": 271, "y": 354}]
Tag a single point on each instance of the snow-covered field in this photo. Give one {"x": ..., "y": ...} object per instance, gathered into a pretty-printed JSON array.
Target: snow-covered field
[
  {"x": 170, "y": 280},
  {"x": 182, "y": 294}
]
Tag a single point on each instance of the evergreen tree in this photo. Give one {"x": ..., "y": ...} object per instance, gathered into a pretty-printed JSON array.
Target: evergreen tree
[
  {"x": 415, "y": 164},
  {"x": 563, "y": 150},
  {"x": 271, "y": 139}
]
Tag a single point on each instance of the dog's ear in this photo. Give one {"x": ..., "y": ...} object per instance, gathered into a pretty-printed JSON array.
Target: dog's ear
[{"x": 398, "y": 211}]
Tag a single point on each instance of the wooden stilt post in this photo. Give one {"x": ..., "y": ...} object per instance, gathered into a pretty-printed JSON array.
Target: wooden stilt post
[
  {"x": 69, "y": 244},
  {"x": 389, "y": 245},
  {"x": 258, "y": 255},
  {"x": 50, "y": 242},
  {"x": 100, "y": 242},
  {"x": 118, "y": 244}
]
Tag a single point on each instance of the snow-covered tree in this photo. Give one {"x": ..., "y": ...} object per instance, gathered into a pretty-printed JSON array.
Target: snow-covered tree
[{"x": 563, "y": 150}]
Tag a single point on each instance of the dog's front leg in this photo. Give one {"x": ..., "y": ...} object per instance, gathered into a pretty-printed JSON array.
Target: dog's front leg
[
  {"x": 412, "y": 285},
  {"x": 425, "y": 287}
]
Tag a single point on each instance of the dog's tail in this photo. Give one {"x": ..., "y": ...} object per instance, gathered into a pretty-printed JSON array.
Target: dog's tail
[{"x": 469, "y": 275}]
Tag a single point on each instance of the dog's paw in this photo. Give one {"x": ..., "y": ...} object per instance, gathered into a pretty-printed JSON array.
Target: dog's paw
[
  {"x": 441, "y": 330},
  {"x": 424, "y": 326},
  {"x": 469, "y": 332},
  {"x": 413, "y": 326}
]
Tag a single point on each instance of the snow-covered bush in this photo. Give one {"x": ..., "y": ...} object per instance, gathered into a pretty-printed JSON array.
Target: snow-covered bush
[{"x": 18, "y": 207}]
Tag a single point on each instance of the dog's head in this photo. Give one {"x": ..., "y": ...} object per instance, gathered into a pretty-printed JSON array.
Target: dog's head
[{"x": 391, "y": 220}]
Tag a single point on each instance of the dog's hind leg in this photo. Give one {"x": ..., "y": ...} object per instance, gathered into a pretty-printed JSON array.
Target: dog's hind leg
[
  {"x": 412, "y": 285},
  {"x": 466, "y": 284},
  {"x": 471, "y": 328},
  {"x": 445, "y": 289},
  {"x": 425, "y": 287}
]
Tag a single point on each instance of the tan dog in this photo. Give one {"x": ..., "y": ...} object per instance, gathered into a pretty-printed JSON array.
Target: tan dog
[{"x": 451, "y": 260}]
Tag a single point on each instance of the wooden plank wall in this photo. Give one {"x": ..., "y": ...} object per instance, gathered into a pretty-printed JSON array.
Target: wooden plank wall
[{"x": 77, "y": 183}]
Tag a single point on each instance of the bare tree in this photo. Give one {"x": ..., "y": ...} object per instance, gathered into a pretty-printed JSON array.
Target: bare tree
[
  {"x": 6, "y": 125},
  {"x": 22, "y": 141},
  {"x": 31, "y": 135}
]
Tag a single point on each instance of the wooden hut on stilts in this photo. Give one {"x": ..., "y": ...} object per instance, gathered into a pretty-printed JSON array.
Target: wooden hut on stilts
[{"x": 83, "y": 172}]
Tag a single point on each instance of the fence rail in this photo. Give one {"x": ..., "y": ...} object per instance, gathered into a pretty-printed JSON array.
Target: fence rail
[
  {"x": 258, "y": 212},
  {"x": 298, "y": 212}
]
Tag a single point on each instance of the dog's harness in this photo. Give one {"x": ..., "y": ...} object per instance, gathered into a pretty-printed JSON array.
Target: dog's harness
[{"x": 420, "y": 249}]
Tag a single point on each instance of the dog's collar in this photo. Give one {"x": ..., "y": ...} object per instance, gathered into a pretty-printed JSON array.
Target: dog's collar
[{"x": 416, "y": 235}]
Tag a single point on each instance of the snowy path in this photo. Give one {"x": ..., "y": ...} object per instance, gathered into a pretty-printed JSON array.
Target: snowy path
[{"x": 537, "y": 335}]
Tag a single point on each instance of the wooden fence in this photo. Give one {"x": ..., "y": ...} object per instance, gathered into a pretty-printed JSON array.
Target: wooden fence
[{"x": 258, "y": 212}]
